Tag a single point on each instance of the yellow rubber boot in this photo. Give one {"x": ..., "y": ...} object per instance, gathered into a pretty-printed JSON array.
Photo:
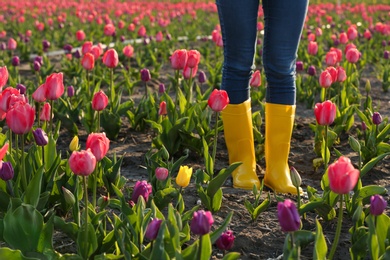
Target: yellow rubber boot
[
  {"x": 279, "y": 122},
  {"x": 237, "y": 122}
]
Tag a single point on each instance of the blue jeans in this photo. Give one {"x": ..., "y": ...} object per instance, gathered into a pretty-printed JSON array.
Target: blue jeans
[{"x": 283, "y": 23}]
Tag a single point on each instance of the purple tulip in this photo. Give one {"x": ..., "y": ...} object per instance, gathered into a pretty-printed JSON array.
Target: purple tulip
[
  {"x": 226, "y": 240},
  {"x": 202, "y": 77},
  {"x": 15, "y": 61},
  {"x": 201, "y": 222},
  {"x": 311, "y": 70},
  {"x": 141, "y": 188},
  {"x": 37, "y": 66},
  {"x": 378, "y": 205},
  {"x": 299, "y": 66},
  {"x": 122, "y": 38},
  {"x": 77, "y": 54},
  {"x": 70, "y": 91},
  {"x": 153, "y": 228},
  {"x": 3, "y": 46},
  {"x": 145, "y": 75},
  {"x": 376, "y": 118},
  {"x": 384, "y": 43},
  {"x": 364, "y": 126},
  {"x": 161, "y": 88},
  {"x": 39, "y": 59},
  {"x": 40, "y": 137},
  {"x": 68, "y": 48},
  {"x": 288, "y": 216},
  {"x": 45, "y": 45},
  {"x": 21, "y": 88},
  {"x": 386, "y": 55},
  {"x": 6, "y": 171}
]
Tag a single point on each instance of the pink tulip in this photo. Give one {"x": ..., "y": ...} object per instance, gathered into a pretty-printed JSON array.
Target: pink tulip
[
  {"x": 109, "y": 29},
  {"x": 80, "y": 35},
  {"x": 3, "y": 76},
  {"x": 142, "y": 31},
  {"x": 331, "y": 58},
  {"x": 352, "y": 55},
  {"x": 342, "y": 176},
  {"x": 189, "y": 72},
  {"x": 179, "y": 59},
  {"x": 341, "y": 74},
  {"x": 82, "y": 162},
  {"x": 325, "y": 112},
  {"x": 255, "y": 81},
  {"x": 339, "y": 53},
  {"x": 352, "y": 33},
  {"x": 54, "y": 86},
  {"x": 4, "y": 97},
  {"x": 86, "y": 47},
  {"x": 333, "y": 72},
  {"x": 12, "y": 44},
  {"x": 45, "y": 113},
  {"x": 128, "y": 51},
  {"x": 20, "y": 118},
  {"x": 110, "y": 58},
  {"x": 3, "y": 150},
  {"x": 39, "y": 94},
  {"x": 193, "y": 58},
  {"x": 163, "y": 108},
  {"x": 96, "y": 51},
  {"x": 312, "y": 48},
  {"x": 325, "y": 79},
  {"x": 99, "y": 145},
  {"x": 218, "y": 100},
  {"x": 99, "y": 101},
  {"x": 159, "y": 36},
  {"x": 343, "y": 38},
  {"x": 88, "y": 61}
]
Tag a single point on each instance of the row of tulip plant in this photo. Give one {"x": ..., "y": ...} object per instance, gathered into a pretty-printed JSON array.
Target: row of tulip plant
[{"x": 180, "y": 104}]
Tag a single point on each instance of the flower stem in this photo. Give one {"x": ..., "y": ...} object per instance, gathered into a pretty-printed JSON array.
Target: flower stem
[
  {"x": 326, "y": 148},
  {"x": 98, "y": 121},
  {"x": 95, "y": 177},
  {"x": 112, "y": 87},
  {"x": 338, "y": 230},
  {"x": 85, "y": 183},
  {"x": 51, "y": 116},
  {"x": 200, "y": 248},
  {"x": 215, "y": 141},
  {"x": 23, "y": 172}
]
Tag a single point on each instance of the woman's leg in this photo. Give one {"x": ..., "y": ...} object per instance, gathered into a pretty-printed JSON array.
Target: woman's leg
[
  {"x": 238, "y": 20},
  {"x": 283, "y": 20}
]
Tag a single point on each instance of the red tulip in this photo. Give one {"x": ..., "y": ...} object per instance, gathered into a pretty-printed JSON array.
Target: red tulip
[
  {"x": 325, "y": 79},
  {"x": 255, "y": 81},
  {"x": 193, "y": 58},
  {"x": 80, "y": 35},
  {"x": 99, "y": 101},
  {"x": 88, "y": 61},
  {"x": 128, "y": 51},
  {"x": 96, "y": 51},
  {"x": 342, "y": 176},
  {"x": 333, "y": 72},
  {"x": 39, "y": 94},
  {"x": 82, "y": 162},
  {"x": 86, "y": 47},
  {"x": 3, "y": 150},
  {"x": 312, "y": 48},
  {"x": 343, "y": 38},
  {"x": 54, "y": 86},
  {"x": 142, "y": 31},
  {"x": 352, "y": 55},
  {"x": 367, "y": 34},
  {"x": 163, "y": 108},
  {"x": 99, "y": 144},
  {"x": 20, "y": 117},
  {"x": 45, "y": 112},
  {"x": 218, "y": 100},
  {"x": 325, "y": 112},
  {"x": 110, "y": 58},
  {"x": 3, "y": 76},
  {"x": 179, "y": 59}
]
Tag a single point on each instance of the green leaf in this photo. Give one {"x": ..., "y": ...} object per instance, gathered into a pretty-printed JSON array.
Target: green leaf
[
  {"x": 320, "y": 247},
  {"x": 231, "y": 256},
  {"x": 158, "y": 251},
  {"x": 368, "y": 166},
  {"x": 382, "y": 231},
  {"x": 261, "y": 208},
  {"x": 163, "y": 197},
  {"x": 217, "y": 233},
  {"x": 205, "y": 248},
  {"x": 217, "y": 201},
  {"x": 220, "y": 179},
  {"x": 23, "y": 227},
  {"x": 8, "y": 253},
  {"x": 366, "y": 192},
  {"x": 46, "y": 237},
  {"x": 33, "y": 190},
  {"x": 86, "y": 247}
]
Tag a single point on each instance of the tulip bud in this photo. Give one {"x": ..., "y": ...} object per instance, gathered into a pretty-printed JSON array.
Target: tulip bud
[
  {"x": 68, "y": 196},
  {"x": 161, "y": 173},
  {"x": 74, "y": 144},
  {"x": 145, "y": 75},
  {"x": 161, "y": 88},
  {"x": 103, "y": 202},
  {"x": 6, "y": 171},
  {"x": 355, "y": 145},
  {"x": 226, "y": 240},
  {"x": 378, "y": 205},
  {"x": 376, "y": 118},
  {"x": 153, "y": 228},
  {"x": 202, "y": 77},
  {"x": 163, "y": 108},
  {"x": 41, "y": 138},
  {"x": 368, "y": 86},
  {"x": 295, "y": 177},
  {"x": 15, "y": 61},
  {"x": 201, "y": 222},
  {"x": 70, "y": 91},
  {"x": 21, "y": 88},
  {"x": 364, "y": 126}
]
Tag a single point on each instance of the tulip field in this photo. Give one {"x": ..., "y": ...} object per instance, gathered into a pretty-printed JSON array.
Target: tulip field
[{"x": 112, "y": 144}]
